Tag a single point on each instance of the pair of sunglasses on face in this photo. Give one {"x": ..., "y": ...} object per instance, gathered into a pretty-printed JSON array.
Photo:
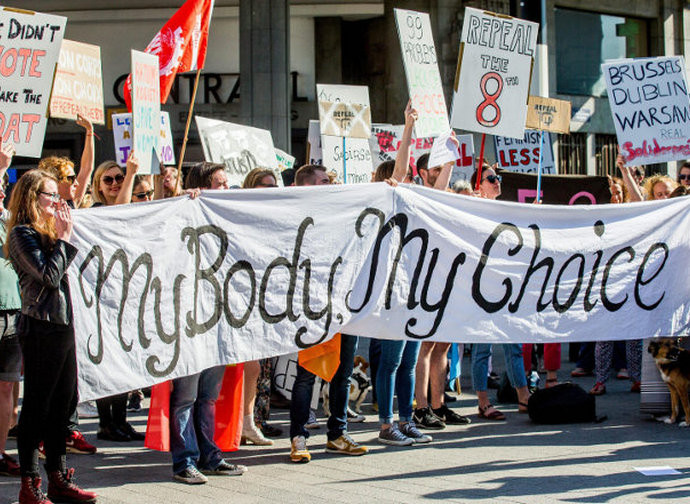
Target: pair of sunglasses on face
[
  {"x": 493, "y": 179},
  {"x": 684, "y": 176},
  {"x": 108, "y": 180},
  {"x": 70, "y": 179},
  {"x": 143, "y": 195}
]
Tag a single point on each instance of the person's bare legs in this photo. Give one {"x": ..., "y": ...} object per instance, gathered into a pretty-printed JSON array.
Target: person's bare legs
[
  {"x": 252, "y": 370},
  {"x": 438, "y": 368},
  {"x": 6, "y": 408},
  {"x": 15, "y": 405},
  {"x": 421, "y": 384}
]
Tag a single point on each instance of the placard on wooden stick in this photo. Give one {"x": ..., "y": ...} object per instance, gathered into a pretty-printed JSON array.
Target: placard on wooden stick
[{"x": 548, "y": 114}]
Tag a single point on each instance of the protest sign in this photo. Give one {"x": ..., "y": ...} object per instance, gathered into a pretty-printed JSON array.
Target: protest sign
[
  {"x": 146, "y": 111},
  {"x": 314, "y": 154},
  {"x": 240, "y": 148},
  {"x": 548, "y": 114},
  {"x": 351, "y": 120},
  {"x": 493, "y": 75},
  {"x": 443, "y": 151},
  {"x": 29, "y": 49},
  {"x": 555, "y": 189},
  {"x": 218, "y": 285},
  {"x": 464, "y": 166},
  {"x": 285, "y": 160},
  {"x": 349, "y": 157},
  {"x": 523, "y": 155},
  {"x": 650, "y": 107},
  {"x": 122, "y": 135},
  {"x": 421, "y": 70},
  {"x": 78, "y": 86}
]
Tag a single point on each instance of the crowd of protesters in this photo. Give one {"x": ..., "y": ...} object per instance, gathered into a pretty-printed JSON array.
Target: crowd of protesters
[{"x": 37, "y": 335}]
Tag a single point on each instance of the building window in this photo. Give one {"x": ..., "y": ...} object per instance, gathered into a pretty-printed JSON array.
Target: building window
[
  {"x": 605, "y": 152},
  {"x": 584, "y": 40},
  {"x": 572, "y": 154}
]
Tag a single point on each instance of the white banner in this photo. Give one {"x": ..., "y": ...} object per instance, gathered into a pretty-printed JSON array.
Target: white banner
[
  {"x": 240, "y": 148},
  {"x": 421, "y": 70},
  {"x": 493, "y": 76},
  {"x": 235, "y": 276},
  {"x": 146, "y": 111},
  {"x": 122, "y": 135},
  {"x": 29, "y": 49},
  {"x": 523, "y": 155},
  {"x": 650, "y": 107}
]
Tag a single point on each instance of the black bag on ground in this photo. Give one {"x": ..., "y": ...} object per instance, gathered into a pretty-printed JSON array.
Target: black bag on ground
[{"x": 564, "y": 403}]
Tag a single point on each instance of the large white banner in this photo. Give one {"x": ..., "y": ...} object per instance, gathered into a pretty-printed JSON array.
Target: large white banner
[
  {"x": 650, "y": 107},
  {"x": 241, "y": 275},
  {"x": 29, "y": 49},
  {"x": 494, "y": 71},
  {"x": 421, "y": 70}
]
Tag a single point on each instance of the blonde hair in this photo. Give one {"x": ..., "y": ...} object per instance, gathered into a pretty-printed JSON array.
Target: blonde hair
[
  {"x": 650, "y": 182},
  {"x": 57, "y": 166},
  {"x": 96, "y": 184},
  {"x": 25, "y": 211},
  {"x": 253, "y": 178}
]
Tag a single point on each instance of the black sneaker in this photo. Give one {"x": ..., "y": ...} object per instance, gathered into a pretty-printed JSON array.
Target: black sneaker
[
  {"x": 450, "y": 417},
  {"x": 426, "y": 419}
]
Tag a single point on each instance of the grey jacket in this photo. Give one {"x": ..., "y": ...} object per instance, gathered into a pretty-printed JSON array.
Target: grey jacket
[{"x": 42, "y": 275}]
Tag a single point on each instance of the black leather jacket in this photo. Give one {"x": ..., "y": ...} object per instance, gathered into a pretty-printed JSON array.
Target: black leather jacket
[{"x": 42, "y": 275}]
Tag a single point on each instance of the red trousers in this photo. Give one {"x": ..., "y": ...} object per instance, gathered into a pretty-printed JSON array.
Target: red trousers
[{"x": 552, "y": 356}]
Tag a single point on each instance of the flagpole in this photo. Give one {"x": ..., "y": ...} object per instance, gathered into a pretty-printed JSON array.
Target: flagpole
[
  {"x": 481, "y": 163},
  {"x": 541, "y": 148},
  {"x": 186, "y": 128}
]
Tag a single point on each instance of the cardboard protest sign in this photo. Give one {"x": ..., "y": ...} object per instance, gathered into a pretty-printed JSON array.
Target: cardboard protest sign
[
  {"x": 350, "y": 159},
  {"x": 29, "y": 49},
  {"x": 493, "y": 75},
  {"x": 351, "y": 120},
  {"x": 464, "y": 165},
  {"x": 122, "y": 135},
  {"x": 146, "y": 111},
  {"x": 523, "y": 155},
  {"x": 78, "y": 86},
  {"x": 651, "y": 109},
  {"x": 285, "y": 160},
  {"x": 548, "y": 114},
  {"x": 421, "y": 70},
  {"x": 555, "y": 189},
  {"x": 240, "y": 148},
  {"x": 314, "y": 154}
]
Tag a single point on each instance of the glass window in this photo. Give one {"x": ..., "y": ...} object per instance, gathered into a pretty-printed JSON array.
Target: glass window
[{"x": 584, "y": 40}]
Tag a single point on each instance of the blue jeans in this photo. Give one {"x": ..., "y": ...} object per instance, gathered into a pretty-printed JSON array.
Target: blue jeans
[
  {"x": 193, "y": 420},
  {"x": 396, "y": 367},
  {"x": 339, "y": 393},
  {"x": 515, "y": 367}
]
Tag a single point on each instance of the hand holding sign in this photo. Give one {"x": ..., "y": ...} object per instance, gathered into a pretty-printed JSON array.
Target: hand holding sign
[
  {"x": 444, "y": 150},
  {"x": 6, "y": 153}
]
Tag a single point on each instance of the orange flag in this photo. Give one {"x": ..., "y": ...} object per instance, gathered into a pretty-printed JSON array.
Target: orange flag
[
  {"x": 229, "y": 413},
  {"x": 322, "y": 360}
]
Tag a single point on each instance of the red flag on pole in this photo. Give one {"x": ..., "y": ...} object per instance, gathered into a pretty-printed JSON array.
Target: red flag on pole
[{"x": 180, "y": 45}]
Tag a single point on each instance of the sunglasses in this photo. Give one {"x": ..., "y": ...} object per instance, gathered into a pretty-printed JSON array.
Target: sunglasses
[
  {"x": 70, "y": 179},
  {"x": 108, "y": 180},
  {"x": 143, "y": 195},
  {"x": 52, "y": 195},
  {"x": 684, "y": 177},
  {"x": 493, "y": 178}
]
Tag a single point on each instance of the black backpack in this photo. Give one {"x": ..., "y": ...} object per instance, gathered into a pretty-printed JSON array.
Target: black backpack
[{"x": 562, "y": 404}]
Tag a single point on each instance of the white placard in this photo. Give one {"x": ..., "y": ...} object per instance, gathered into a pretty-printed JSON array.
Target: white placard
[
  {"x": 464, "y": 166},
  {"x": 443, "y": 151},
  {"x": 494, "y": 69},
  {"x": 349, "y": 158},
  {"x": 235, "y": 276},
  {"x": 29, "y": 48},
  {"x": 240, "y": 148},
  {"x": 122, "y": 136},
  {"x": 146, "y": 111},
  {"x": 314, "y": 141},
  {"x": 285, "y": 160},
  {"x": 421, "y": 70},
  {"x": 650, "y": 107},
  {"x": 523, "y": 155}
]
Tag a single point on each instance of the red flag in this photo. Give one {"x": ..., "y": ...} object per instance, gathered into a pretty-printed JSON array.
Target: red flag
[{"x": 180, "y": 45}]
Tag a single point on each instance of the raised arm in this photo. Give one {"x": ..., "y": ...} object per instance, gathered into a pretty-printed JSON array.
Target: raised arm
[
  {"x": 6, "y": 153},
  {"x": 402, "y": 158},
  {"x": 86, "y": 165},
  {"x": 634, "y": 192},
  {"x": 125, "y": 194},
  {"x": 443, "y": 178}
]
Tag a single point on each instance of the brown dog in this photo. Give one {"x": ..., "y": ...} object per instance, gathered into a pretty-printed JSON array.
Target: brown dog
[{"x": 673, "y": 363}]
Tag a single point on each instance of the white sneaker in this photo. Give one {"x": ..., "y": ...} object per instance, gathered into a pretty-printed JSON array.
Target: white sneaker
[
  {"x": 251, "y": 433},
  {"x": 191, "y": 476},
  {"x": 87, "y": 409}
]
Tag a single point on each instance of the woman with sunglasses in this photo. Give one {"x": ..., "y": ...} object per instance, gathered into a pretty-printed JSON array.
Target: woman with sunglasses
[
  {"x": 39, "y": 228},
  {"x": 72, "y": 187},
  {"x": 135, "y": 188},
  {"x": 112, "y": 411},
  {"x": 490, "y": 188}
]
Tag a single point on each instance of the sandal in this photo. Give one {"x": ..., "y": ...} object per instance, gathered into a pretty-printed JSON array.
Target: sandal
[
  {"x": 494, "y": 415},
  {"x": 598, "y": 389},
  {"x": 522, "y": 407}
]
